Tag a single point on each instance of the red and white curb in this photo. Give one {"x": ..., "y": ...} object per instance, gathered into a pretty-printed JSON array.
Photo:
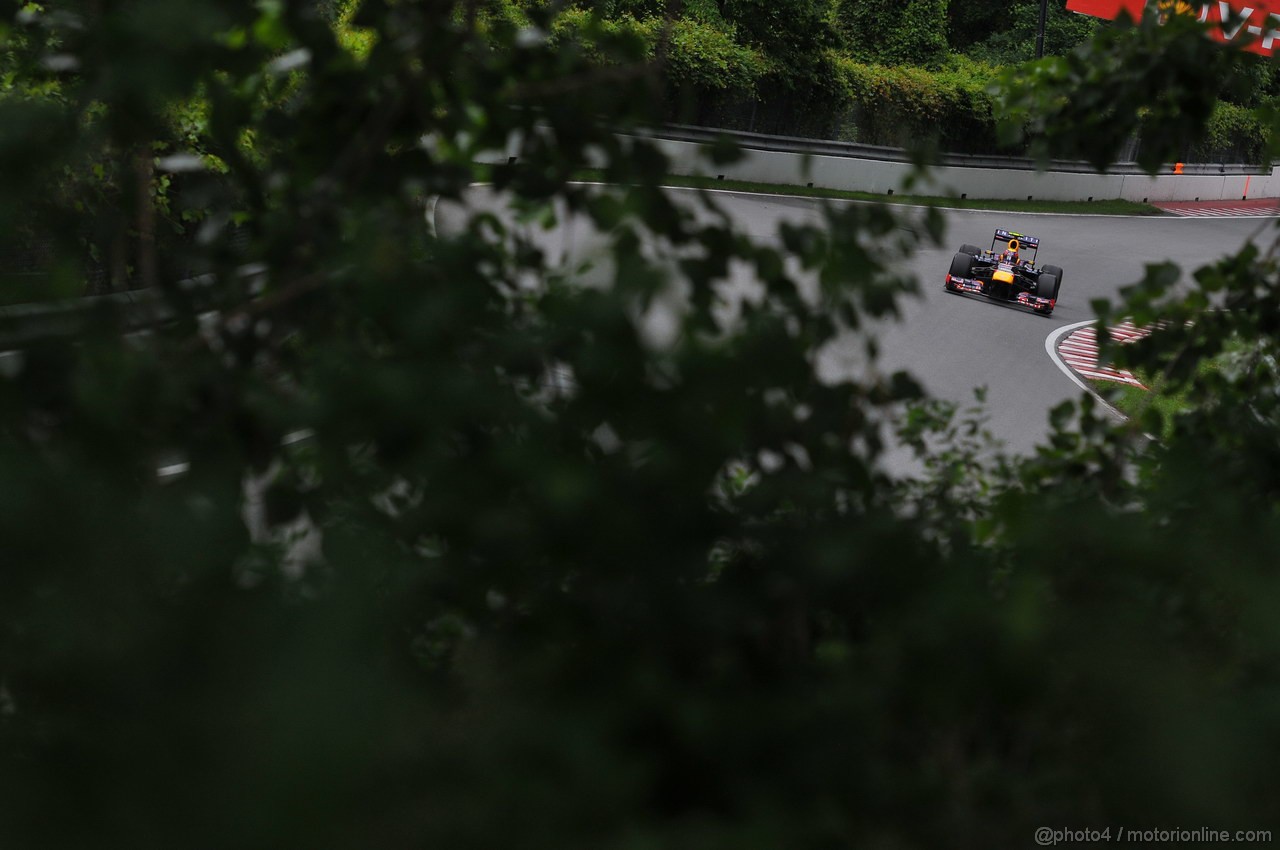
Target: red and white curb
[
  {"x": 1079, "y": 350},
  {"x": 1257, "y": 208},
  {"x": 1074, "y": 349}
]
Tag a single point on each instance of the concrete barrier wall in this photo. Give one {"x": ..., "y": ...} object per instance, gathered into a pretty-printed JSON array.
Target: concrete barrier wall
[
  {"x": 879, "y": 176},
  {"x": 868, "y": 175}
]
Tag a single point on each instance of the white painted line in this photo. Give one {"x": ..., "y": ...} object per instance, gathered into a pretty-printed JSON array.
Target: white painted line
[
  {"x": 1051, "y": 346},
  {"x": 1100, "y": 374},
  {"x": 1110, "y": 375},
  {"x": 297, "y": 436},
  {"x": 430, "y": 214}
]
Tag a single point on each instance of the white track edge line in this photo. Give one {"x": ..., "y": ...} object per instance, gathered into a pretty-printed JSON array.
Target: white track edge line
[
  {"x": 1164, "y": 217},
  {"x": 1051, "y": 346}
]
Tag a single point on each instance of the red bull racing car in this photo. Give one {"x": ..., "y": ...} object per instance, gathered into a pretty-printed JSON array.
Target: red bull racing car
[{"x": 1004, "y": 273}]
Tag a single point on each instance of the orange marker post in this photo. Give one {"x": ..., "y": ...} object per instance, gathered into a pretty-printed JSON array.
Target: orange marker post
[{"x": 1177, "y": 168}]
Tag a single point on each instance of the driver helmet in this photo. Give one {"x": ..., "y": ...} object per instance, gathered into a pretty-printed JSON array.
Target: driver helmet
[{"x": 1011, "y": 254}]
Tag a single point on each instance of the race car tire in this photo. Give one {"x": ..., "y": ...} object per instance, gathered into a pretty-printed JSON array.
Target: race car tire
[
  {"x": 1056, "y": 271},
  {"x": 961, "y": 265},
  {"x": 971, "y": 250},
  {"x": 1048, "y": 285}
]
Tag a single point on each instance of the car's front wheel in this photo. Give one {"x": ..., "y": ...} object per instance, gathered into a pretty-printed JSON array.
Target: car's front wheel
[
  {"x": 961, "y": 266},
  {"x": 1056, "y": 271},
  {"x": 1048, "y": 286}
]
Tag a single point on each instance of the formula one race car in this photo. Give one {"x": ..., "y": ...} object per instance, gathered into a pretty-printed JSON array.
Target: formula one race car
[{"x": 1003, "y": 273}]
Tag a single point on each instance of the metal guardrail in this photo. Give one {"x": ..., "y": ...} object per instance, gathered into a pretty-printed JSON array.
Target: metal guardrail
[
  {"x": 23, "y": 325},
  {"x": 28, "y": 324},
  {"x": 853, "y": 150}
]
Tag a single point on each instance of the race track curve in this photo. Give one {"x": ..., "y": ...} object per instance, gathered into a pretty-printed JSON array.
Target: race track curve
[{"x": 954, "y": 343}]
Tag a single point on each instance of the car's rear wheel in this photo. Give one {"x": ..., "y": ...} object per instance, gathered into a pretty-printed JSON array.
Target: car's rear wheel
[{"x": 971, "y": 250}]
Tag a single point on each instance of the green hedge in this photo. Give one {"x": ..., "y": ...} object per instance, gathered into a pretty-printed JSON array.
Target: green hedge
[
  {"x": 953, "y": 107},
  {"x": 698, "y": 53},
  {"x": 892, "y": 105},
  {"x": 913, "y": 32},
  {"x": 707, "y": 56},
  {"x": 1235, "y": 134},
  {"x": 900, "y": 105}
]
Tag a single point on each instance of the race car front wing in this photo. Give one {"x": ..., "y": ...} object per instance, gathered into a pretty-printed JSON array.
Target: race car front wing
[{"x": 977, "y": 287}]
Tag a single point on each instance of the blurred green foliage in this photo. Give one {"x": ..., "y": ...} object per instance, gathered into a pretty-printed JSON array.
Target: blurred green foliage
[{"x": 404, "y": 537}]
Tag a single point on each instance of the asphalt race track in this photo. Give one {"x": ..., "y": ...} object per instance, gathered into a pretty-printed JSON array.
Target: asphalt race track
[{"x": 954, "y": 343}]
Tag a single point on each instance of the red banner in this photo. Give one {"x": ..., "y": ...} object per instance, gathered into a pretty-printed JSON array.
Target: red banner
[{"x": 1254, "y": 26}]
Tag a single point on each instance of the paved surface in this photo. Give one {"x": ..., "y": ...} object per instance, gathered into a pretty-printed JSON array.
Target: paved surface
[
  {"x": 954, "y": 343},
  {"x": 1259, "y": 207}
]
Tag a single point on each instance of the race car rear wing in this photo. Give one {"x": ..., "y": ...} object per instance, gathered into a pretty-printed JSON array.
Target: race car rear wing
[
  {"x": 1024, "y": 240},
  {"x": 1004, "y": 238}
]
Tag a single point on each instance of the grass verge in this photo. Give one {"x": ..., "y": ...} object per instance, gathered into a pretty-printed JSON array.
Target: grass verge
[
  {"x": 1136, "y": 403},
  {"x": 1106, "y": 207},
  {"x": 1160, "y": 399}
]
